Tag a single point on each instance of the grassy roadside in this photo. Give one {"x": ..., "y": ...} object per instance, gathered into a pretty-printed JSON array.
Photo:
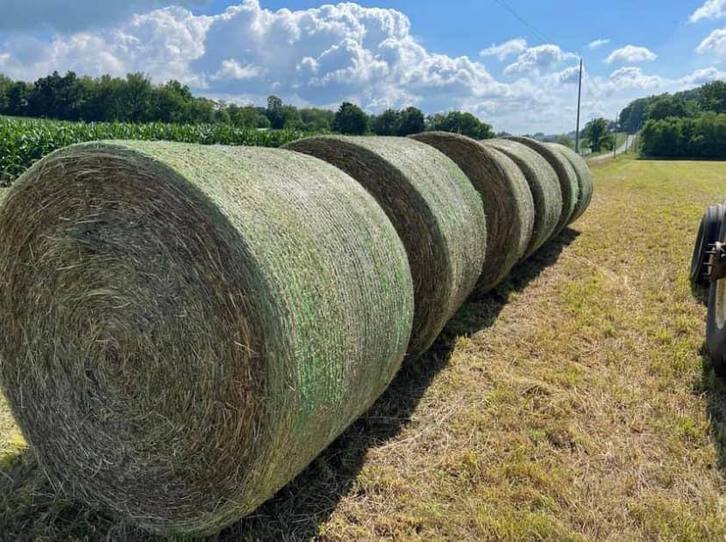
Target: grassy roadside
[{"x": 573, "y": 404}]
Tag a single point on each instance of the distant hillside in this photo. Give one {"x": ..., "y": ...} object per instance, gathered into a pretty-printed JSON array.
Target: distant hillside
[{"x": 710, "y": 97}]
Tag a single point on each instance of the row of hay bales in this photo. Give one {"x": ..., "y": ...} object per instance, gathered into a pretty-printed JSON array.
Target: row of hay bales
[{"x": 185, "y": 328}]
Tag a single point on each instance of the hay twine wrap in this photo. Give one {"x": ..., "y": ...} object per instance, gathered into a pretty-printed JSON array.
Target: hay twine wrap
[
  {"x": 565, "y": 173},
  {"x": 185, "y": 328},
  {"x": 584, "y": 179},
  {"x": 543, "y": 184},
  {"x": 507, "y": 200},
  {"x": 435, "y": 210}
]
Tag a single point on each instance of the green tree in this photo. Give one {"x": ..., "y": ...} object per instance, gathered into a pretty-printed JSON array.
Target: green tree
[
  {"x": 172, "y": 102},
  {"x": 713, "y": 97},
  {"x": 596, "y": 132},
  {"x": 104, "y": 99},
  {"x": 275, "y": 112},
  {"x": 387, "y": 123},
  {"x": 201, "y": 110},
  {"x": 460, "y": 123},
  {"x": 411, "y": 121},
  {"x": 632, "y": 118},
  {"x": 291, "y": 118},
  {"x": 243, "y": 117},
  {"x": 137, "y": 95},
  {"x": 350, "y": 119},
  {"x": 17, "y": 98},
  {"x": 316, "y": 120},
  {"x": 5, "y": 84},
  {"x": 666, "y": 106},
  {"x": 686, "y": 137}
]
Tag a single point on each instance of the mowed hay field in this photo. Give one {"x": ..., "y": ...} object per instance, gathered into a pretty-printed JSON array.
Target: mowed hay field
[{"x": 574, "y": 403}]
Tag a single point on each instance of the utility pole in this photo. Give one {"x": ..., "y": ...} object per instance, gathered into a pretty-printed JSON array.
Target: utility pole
[{"x": 579, "y": 98}]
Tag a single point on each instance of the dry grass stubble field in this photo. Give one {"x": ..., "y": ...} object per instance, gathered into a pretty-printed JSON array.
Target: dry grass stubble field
[{"x": 575, "y": 403}]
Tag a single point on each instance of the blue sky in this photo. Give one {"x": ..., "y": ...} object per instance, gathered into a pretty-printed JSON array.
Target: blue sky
[{"x": 466, "y": 54}]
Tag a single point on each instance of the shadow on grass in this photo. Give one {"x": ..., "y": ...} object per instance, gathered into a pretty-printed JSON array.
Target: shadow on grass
[
  {"x": 699, "y": 293},
  {"x": 31, "y": 510}
]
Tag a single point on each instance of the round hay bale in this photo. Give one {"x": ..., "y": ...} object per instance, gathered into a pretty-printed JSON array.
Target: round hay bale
[
  {"x": 185, "y": 328},
  {"x": 507, "y": 201},
  {"x": 565, "y": 173},
  {"x": 544, "y": 185},
  {"x": 435, "y": 210},
  {"x": 584, "y": 179}
]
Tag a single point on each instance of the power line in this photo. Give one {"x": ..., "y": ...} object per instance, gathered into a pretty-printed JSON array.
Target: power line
[{"x": 541, "y": 36}]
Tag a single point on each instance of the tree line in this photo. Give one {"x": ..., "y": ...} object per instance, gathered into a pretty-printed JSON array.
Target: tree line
[
  {"x": 703, "y": 136},
  {"x": 685, "y": 124},
  {"x": 710, "y": 97},
  {"x": 136, "y": 99}
]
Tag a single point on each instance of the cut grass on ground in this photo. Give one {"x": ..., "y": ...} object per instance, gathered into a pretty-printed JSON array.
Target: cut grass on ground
[{"x": 573, "y": 404}]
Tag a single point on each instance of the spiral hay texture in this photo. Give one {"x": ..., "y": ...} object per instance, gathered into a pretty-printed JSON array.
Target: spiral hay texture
[
  {"x": 584, "y": 179},
  {"x": 543, "y": 184},
  {"x": 507, "y": 201},
  {"x": 565, "y": 173},
  {"x": 435, "y": 210},
  {"x": 185, "y": 328}
]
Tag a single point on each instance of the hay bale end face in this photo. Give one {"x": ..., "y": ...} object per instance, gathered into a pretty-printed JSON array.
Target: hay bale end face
[
  {"x": 565, "y": 173},
  {"x": 584, "y": 179},
  {"x": 543, "y": 184},
  {"x": 507, "y": 201},
  {"x": 185, "y": 328},
  {"x": 435, "y": 210}
]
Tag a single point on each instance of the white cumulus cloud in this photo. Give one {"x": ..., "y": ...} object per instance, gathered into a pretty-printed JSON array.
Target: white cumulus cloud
[
  {"x": 630, "y": 54},
  {"x": 633, "y": 77},
  {"x": 712, "y": 9},
  {"x": 506, "y": 49},
  {"x": 714, "y": 43},
  {"x": 538, "y": 59},
  {"x": 701, "y": 77},
  {"x": 596, "y": 44}
]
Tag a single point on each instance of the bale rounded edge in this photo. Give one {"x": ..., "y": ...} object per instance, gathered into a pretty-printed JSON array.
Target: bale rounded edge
[
  {"x": 565, "y": 173},
  {"x": 584, "y": 179},
  {"x": 507, "y": 200},
  {"x": 544, "y": 185},
  {"x": 194, "y": 324},
  {"x": 435, "y": 210}
]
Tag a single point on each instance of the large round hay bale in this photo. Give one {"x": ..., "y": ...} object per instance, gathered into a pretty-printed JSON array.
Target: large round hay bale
[
  {"x": 565, "y": 173},
  {"x": 544, "y": 185},
  {"x": 584, "y": 179},
  {"x": 507, "y": 201},
  {"x": 433, "y": 206},
  {"x": 184, "y": 328}
]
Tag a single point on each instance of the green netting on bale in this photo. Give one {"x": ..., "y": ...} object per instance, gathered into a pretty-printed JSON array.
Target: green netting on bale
[
  {"x": 584, "y": 179},
  {"x": 565, "y": 173},
  {"x": 507, "y": 201},
  {"x": 433, "y": 206},
  {"x": 185, "y": 328},
  {"x": 544, "y": 185}
]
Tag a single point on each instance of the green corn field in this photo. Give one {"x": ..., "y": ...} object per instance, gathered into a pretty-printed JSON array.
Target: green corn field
[{"x": 24, "y": 141}]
